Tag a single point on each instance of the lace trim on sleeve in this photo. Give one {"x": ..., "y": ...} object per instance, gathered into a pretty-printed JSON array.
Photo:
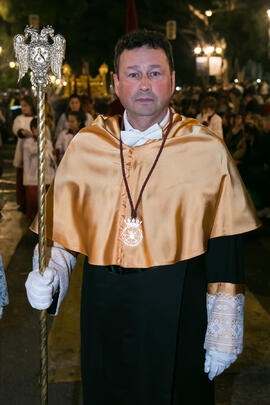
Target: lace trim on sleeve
[{"x": 225, "y": 323}]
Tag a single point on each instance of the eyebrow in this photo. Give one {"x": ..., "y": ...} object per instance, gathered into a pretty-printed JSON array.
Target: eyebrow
[{"x": 138, "y": 67}]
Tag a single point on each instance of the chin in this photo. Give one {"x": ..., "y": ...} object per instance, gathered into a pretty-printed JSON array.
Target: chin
[{"x": 147, "y": 111}]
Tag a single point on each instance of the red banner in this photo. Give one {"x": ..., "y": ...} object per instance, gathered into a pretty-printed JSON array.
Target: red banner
[{"x": 131, "y": 16}]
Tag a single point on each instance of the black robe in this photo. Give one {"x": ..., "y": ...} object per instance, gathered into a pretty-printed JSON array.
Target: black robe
[{"x": 142, "y": 330}]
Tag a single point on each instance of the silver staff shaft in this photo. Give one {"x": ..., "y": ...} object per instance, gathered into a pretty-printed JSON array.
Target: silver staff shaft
[
  {"x": 42, "y": 240},
  {"x": 44, "y": 51}
]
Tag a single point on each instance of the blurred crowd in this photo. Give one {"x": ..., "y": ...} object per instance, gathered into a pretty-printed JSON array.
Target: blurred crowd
[
  {"x": 19, "y": 124},
  {"x": 238, "y": 113}
]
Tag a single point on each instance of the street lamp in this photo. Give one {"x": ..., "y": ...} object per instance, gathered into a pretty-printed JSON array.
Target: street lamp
[
  {"x": 208, "y": 61},
  {"x": 208, "y": 50}
]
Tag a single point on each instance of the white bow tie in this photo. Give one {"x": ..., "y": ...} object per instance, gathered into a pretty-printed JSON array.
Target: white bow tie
[{"x": 135, "y": 137}]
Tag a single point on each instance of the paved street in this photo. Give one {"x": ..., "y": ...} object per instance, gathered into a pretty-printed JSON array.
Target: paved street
[{"x": 246, "y": 382}]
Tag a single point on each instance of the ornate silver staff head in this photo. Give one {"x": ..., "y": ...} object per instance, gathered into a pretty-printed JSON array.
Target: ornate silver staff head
[{"x": 39, "y": 55}]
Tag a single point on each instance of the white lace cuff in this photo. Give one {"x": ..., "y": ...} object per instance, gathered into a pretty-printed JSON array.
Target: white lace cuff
[{"x": 225, "y": 323}]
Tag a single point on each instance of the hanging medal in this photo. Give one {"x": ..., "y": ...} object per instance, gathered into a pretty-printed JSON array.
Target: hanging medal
[{"x": 132, "y": 234}]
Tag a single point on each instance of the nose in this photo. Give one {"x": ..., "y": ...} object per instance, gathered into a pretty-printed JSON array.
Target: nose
[{"x": 145, "y": 83}]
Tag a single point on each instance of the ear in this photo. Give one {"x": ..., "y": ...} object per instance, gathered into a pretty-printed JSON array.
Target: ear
[
  {"x": 116, "y": 84},
  {"x": 173, "y": 82}
]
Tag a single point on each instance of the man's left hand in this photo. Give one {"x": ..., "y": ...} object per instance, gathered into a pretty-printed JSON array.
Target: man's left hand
[{"x": 216, "y": 362}]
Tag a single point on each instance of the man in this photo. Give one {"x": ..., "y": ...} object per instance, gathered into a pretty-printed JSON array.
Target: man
[
  {"x": 209, "y": 117},
  {"x": 155, "y": 203}
]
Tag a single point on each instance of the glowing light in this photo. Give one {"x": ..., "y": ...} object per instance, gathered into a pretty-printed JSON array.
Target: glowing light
[
  {"x": 1, "y": 50},
  {"x": 218, "y": 50},
  {"x": 12, "y": 64},
  {"x": 209, "y": 13},
  {"x": 197, "y": 50},
  {"x": 268, "y": 13},
  {"x": 258, "y": 80},
  {"x": 64, "y": 83},
  {"x": 236, "y": 81},
  {"x": 33, "y": 88},
  {"x": 208, "y": 50},
  {"x": 57, "y": 81},
  {"x": 53, "y": 78},
  {"x": 178, "y": 88}
]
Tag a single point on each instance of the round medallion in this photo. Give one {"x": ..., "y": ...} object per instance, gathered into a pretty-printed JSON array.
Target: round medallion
[{"x": 132, "y": 233}]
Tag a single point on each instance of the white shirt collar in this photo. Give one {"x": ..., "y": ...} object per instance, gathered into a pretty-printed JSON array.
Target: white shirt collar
[
  {"x": 129, "y": 127},
  {"x": 135, "y": 137}
]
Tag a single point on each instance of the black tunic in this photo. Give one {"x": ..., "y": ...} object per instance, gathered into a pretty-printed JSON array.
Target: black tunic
[{"x": 143, "y": 330}]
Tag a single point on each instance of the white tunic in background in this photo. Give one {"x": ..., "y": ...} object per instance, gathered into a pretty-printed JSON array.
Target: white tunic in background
[
  {"x": 23, "y": 122},
  {"x": 63, "y": 123},
  {"x": 20, "y": 122},
  {"x": 215, "y": 123},
  {"x": 63, "y": 140},
  {"x": 30, "y": 162}
]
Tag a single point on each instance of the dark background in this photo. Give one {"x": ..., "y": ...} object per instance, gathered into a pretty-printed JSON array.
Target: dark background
[{"x": 92, "y": 27}]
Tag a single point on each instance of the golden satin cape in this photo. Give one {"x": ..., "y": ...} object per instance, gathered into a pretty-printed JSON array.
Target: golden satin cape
[{"x": 195, "y": 193}]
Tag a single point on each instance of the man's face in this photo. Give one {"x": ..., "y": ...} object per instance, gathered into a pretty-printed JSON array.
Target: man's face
[{"x": 145, "y": 83}]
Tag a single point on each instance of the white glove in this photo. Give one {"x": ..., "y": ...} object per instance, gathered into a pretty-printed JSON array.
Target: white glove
[
  {"x": 217, "y": 362},
  {"x": 224, "y": 335},
  {"x": 41, "y": 289}
]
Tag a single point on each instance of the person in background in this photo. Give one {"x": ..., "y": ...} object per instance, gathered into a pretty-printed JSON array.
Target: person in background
[
  {"x": 74, "y": 104},
  {"x": 227, "y": 123},
  {"x": 3, "y": 284},
  {"x": 49, "y": 119},
  {"x": 21, "y": 129},
  {"x": 255, "y": 169},
  {"x": 209, "y": 118},
  {"x": 75, "y": 123},
  {"x": 234, "y": 138},
  {"x": 30, "y": 169},
  {"x": 87, "y": 105}
]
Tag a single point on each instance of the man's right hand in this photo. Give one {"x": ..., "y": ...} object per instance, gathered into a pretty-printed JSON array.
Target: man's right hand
[{"x": 40, "y": 289}]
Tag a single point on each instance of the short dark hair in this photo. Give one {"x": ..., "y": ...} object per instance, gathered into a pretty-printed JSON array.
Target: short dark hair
[
  {"x": 33, "y": 123},
  {"x": 251, "y": 130},
  {"x": 137, "y": 39},
  {"x": 209, "y": 102},
  {"x": 78, "y": 115},
  {"x": 28, "y": 100}
]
